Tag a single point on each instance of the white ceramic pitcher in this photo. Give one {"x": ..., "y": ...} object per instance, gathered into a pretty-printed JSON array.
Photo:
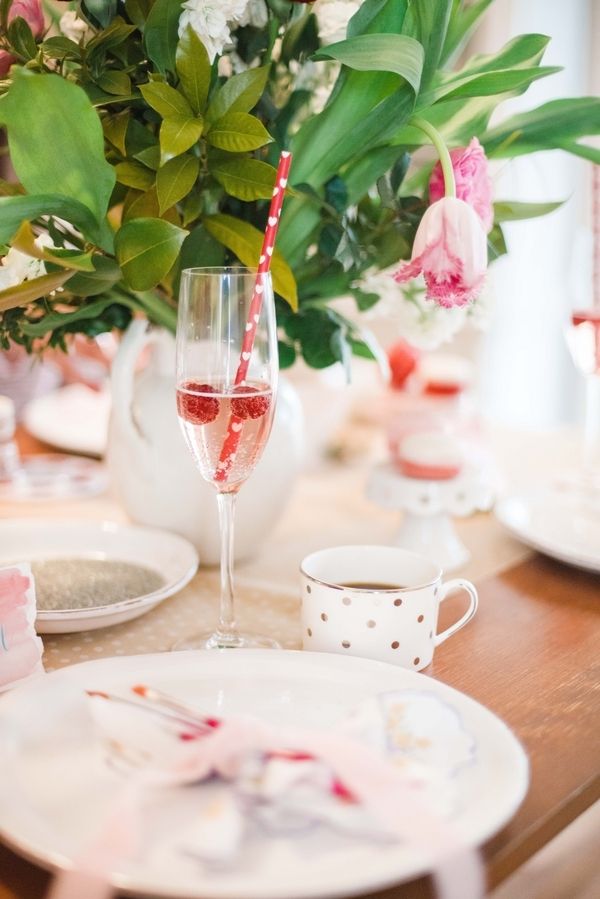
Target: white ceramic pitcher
[{"x": 153, "y": 472}]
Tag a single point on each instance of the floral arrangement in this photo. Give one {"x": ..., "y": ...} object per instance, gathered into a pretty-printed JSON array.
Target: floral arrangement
[{"x": 143, "y": 135}]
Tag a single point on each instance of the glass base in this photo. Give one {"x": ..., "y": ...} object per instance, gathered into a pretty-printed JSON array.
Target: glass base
[{"x": 234, "y": 640}]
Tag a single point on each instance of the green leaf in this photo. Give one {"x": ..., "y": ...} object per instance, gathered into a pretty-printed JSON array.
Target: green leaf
[
  {"x": 88, "y": 311},
  {"x": 115, "y": 34},
  {"x": 378, "y": 17},
  {"x": 246, "y": 241},
  {"x": 28, "y": 291},
  {"x": 364, "y": 300},
  {"x": 105, "y": 273},
  {"x": 363, "y": 350},
  {"x": 137, "y": 11},
  {"x": 138, "y": 138},
  {"x": 115, "y": 130},
  {"x": 314, "y": 328},
  {"x": 178, "y": 133},
  {"x": 101, "y": 98},
  {"x": 21, "y": 38},
  {"x": 379, "y": 52},
  {"x": 496, "y": 244},
  {"x": 240, "y": 93},
  {"x": 175, "y": 180},
  {"x": 515, "y": 81},
  {"x": 583, "y": 150},
  {"x": 140, "y": 205},
  {"x": 246, "y": 179},
  {"x": 165, "y": 99},
  {"x": 160, "y": 33},
  {"x": 147, "y": 250},
  {"x": 102, "y": 10},
  {"x": 17, "y": 209},
  {"x": 327, "y": 142},
  {"x": 114, "y": 82},
  {"x": 301, "y": 38},
  {"x": 238, "y": 132},
  {"x": 362, "y": 173},
  {"x": 510, "y": 70},
  {"x": 201, "y": 249},
  {"x": 287, "y": 354},
  {"x": 61, "y": 47},
  {"x": 428, "y": 22},
  {"x": 149, "y": 157},
  {"x": 135, "y": 175},
  {"x": 74, "y": 166},
  {"x": 545, "y": 128},
  {"x": 513, "y": 211},
  {"x": 193, "y": 69},
  {"x": 462, "y": 22}
]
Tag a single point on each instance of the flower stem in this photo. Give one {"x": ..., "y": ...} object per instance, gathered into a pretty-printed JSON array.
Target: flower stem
[{"x": 442, "y": 150}]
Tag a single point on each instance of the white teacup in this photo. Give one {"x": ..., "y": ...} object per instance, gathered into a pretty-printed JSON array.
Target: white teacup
[{"x": 380, "y": 602}]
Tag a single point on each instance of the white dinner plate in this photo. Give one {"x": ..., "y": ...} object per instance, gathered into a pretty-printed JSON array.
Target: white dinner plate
[
  {"x": 170, "y": 556},
  {"x": 73, "y": 418},
  {"x": 560, "y": 523},
  {"x": 56, "y": 784}
]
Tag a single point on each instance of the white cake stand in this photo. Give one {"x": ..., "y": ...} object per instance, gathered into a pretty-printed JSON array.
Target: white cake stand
[{"x": 428, "y": 508}]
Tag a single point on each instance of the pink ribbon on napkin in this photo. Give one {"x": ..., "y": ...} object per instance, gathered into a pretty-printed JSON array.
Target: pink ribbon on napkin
[
  {"x": 20, "y": 648},
  {"x": 367, "y": 776}
]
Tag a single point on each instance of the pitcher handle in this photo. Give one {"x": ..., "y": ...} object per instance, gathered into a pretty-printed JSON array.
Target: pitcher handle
[{"x": 137, "y": 336}]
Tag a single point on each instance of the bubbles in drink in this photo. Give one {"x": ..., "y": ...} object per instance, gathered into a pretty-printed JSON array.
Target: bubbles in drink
[{"x": 226, "y": 429}]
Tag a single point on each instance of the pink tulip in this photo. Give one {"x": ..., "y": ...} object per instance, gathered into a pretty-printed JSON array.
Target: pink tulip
[
  {"x": 31, "y": 11},
  {"x": 6, "y": 61},
  {"x": 450, "y": 250},
  {"x": 473, "y": 182}
]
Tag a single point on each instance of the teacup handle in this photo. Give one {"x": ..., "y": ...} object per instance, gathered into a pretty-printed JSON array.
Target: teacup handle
[{"x": 451, "y": 587}]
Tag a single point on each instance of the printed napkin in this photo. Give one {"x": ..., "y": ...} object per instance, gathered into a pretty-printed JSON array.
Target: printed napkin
[
  {"x": 388, "y": 774},
  {"x": 20, "y": 648}
]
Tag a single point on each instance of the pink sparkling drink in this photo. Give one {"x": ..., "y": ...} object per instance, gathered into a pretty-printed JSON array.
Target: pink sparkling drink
[{"x": 208, "y": 412}]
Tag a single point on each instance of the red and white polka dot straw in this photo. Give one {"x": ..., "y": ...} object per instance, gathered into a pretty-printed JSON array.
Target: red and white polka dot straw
[{"x": 234, "y": 428}]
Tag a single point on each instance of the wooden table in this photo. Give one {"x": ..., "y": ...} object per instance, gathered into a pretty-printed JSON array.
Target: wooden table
[{"x": 531, "y": 656}]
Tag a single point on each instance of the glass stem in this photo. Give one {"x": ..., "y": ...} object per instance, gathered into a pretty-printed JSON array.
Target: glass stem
[
  {"x": 227, "y": 627},
  {"x": 591, "y": 434}
]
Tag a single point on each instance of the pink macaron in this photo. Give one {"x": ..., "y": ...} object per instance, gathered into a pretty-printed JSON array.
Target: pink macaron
[{"x": 431, "y": 456}]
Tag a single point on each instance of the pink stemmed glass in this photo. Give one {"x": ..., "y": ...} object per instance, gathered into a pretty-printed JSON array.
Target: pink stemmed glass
[{"x": 214, "y": 316}]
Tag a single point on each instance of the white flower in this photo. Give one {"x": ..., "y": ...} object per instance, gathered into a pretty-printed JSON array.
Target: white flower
[
  {"x": 255, "y": 14},
  {"x": 17, "y": 267},
  {"x": 419, "y": 321},
  {"x": 333, "y": 17},
  {"x": 211, "y": 20},
  {"x": 72, "y": 26}
]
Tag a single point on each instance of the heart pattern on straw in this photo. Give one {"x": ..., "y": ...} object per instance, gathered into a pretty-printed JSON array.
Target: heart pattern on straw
[{"x": 232, "y": 439}]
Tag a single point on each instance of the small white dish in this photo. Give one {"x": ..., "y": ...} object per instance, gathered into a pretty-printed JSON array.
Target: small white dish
[
  {"x": 562, "y": 523},
  {"x": 57, "y": 784},
  {"x": 73, "y": 418},
  {"x": 170, "y": 556}
]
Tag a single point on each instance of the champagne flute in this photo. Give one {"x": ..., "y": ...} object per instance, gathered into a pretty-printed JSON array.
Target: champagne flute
[
  {"x": 583, "y": 340},
  {"x": 225, "y": 403}
]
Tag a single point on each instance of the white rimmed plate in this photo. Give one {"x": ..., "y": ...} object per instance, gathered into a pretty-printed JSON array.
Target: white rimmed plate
[
  {"x": 35, "y": 539},
  {"x": 561, "y": 523},
  {"x": 73, "y": 418},
  {"x": 57, "y": 785}
]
